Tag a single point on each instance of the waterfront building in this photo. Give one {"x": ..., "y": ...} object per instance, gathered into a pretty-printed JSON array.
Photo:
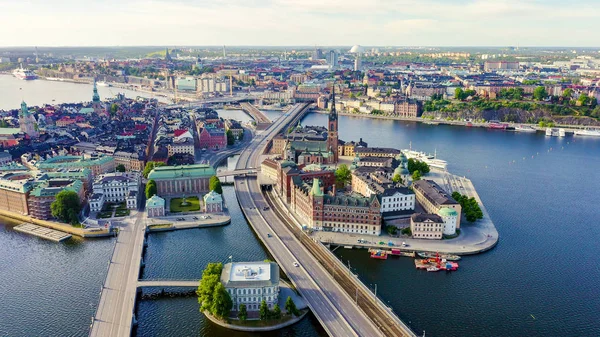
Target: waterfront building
[
  {"x": 407, "y": 108},
  {"x": 187, "y": 83},
  {"x": 426, "y": 226},
  {"x": 375, "y": 161},
  {"x": 27, "y": 123},
  {"x": 14, "y": 189},
  {"x": 98, "y": 165},
  {"x": 450, "y": 217},
  {"x": 433, "y": 198},
  {"x": 44, "y": 193},
  {"x": 235, "y": 128},
  {"x": 288, "y": 171},
  {"x": 377, "y": 152},
  {"x": 250, "y": 283},
  {"x": 155, "y": 206},
  {"x": 116, "y": 187},
  {"x": 347, "y": 149},
  {"x": 213, "y": 202},
  {"x": 179, "y": 180}
]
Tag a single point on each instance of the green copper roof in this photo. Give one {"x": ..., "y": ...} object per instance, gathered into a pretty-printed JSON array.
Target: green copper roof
[
  {"x": 155, "y": 201},
  {"x": 316, "y": 189},
  {"x": 447, "y": 212},
  {"x": 183, "y": 171},
  {"x": 44, "y": 190},
  {"x": 72, "y": 161},
  {"x": 212, "y": 197}
]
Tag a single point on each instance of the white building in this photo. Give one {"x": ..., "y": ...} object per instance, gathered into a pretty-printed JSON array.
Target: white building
[
  {"x": 213, "y": 202},
  {"x": 115, "y": 187},
  {"x": 155, "y": 206},
  {"x": 449, "y": 216},
  {"x": 185, "y": 145},
  {"x": 397, "y": 199},
  {"x": 250, "y": 283}
]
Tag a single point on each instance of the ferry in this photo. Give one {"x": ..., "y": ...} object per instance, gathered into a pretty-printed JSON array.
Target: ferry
[
  {"x": 103, "y": 84},
  {"x": 588, "y": 132},
  {"x": 24, "y": 74},
  {"x": 448, "y": 257},
  {"x": 493, "y": 124},
  {"x": 430, "y": 160},
  {"x": 524, "y": 128},
  {"x": 555, "y": 132},
  {"x": 379, "y": 254}
]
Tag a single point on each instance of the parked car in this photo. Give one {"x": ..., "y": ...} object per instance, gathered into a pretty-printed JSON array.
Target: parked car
[{"x": 296, "y": 264}]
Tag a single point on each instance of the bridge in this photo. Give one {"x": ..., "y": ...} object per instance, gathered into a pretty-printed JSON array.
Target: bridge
[
  {"x": 262, "y": 121},
  {"x": 224, "y": 99},
  {"x": 167, "y": 283},
  {"x": 329, "y": 290},
  {"x": 237, "y": 172}
]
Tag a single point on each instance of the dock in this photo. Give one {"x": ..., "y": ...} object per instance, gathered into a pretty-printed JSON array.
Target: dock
[{"x": 43, "y": 232}]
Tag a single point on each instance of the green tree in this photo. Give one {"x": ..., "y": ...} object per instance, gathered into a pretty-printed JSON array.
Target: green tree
[
  {"x": 150, "y": 166},
  {"x": 342, "y": 175},
  {"x": 113, "y": 109},
  {"x": 540, "y": 93},
  {"x": 242, "y": 313},
  {"x": 290, "y": 307},
  {"x": 263, "y": 310},
  {"x": 66, "y": 206},
  {"x": 211, "y": 276},
  {"x": 414, "y": 165},
  {"x": 120, "y": 168},
  {"x": 584, "y": 99},
  {"x": 276, "y": 314},
  {"x": 397, "y": 178},
  {"x": 567, "y": 93},
  {"x": 221, "y": 301},
  {"x": 230, "y": 137},
  {"x": 459, "y": 94},
  {"x": 214, "y": 184},
  {"x": 3, "y": 123},
  {"x": 416, "y": 175},
  {"x": 151, "y": 189}
]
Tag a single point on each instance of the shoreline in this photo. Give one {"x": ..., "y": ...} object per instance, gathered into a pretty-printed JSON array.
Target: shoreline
[{"x": 81, "y": 232}]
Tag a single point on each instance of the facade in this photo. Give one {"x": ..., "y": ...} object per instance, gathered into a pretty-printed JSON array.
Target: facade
[
  {"x": 27, "y": 122},
  {"x": 131, "y": 160},
  {"x": 376, "y": 152},
  {"x": 450, "y": 217},
  {"x": 5, "y": 158},
  {"x": 185, "y": 146},
  {"x": 155, "y": 207},
  {"x": 250, "y": 283},
  {"x": 14, "y": 190},
  {"x": 397, "y": 199},
  {"x": 211, "y": 138},
  {"x": 99, "y": 165},
  {"x": 43, "y": 195},
  {"x": 179, "y": 180},
  {"x": 433, "y": 198},
  {"x": 235, "y": 128},
  {"x": 407, "y": 108},
  {"x": 500, "y": 65},
  {"x": 116, "y": 187},
  {"x": 426, "y": 226},
  {"x": 213, "y": 202},
  {"x": 269, "y": 168},
  {"x": 375, "y": 161}
]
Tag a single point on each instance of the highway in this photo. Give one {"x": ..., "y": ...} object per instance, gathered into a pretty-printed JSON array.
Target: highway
[{"x": 333, "y": 307}]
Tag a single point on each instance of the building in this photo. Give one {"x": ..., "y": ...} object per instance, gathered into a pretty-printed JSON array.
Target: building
[
  {"x": 426, "y": 226},
  {"x": 212, "y": 138},
  {"x": 250, "y": 283},
  {"x": 155, "y": 207},
  {"x": 375, "y": 161},
  {"x": 332, "y": 131},
  {"x": 5, "y": 158},
  {"x": 489, "y": 66},
  {"x": 27, "y": 123},
  {"x": 132, "y": 161},
  {"x": 98, "y": 165},
  {"x": 270, "y": 168},
  {"x": 433, "y": 198},
  {"x": 235, "y": 127},
  {"x": 332, "y": 58},
  {"x": 407, "y": 108},
  {"x": 187, "y": 83},
  {"x": 450, "y": 217},
  {"x": 99, "y": 108},
  {"x": 115, "y": 188},
  {"x": 14, "y": 190},
  {"x": 44, "y": 193},
  {"x": 179, "y": 180},
  {"x": 213, "y": 202},
  {"x": 376, "y": 152},
  {"x": 396, "y": 199},
  {"x": 185, "y": 145}
]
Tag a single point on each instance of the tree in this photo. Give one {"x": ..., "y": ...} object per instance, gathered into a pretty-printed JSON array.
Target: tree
[
  {"x": 242, "y": 313},
  {"x": 342, "y": 175},
  {"x": 414, "y": 165},
  {"x": 263, "y": 310},
  {"x": 459, "y": 93},
  {"x": 150, "y": 166},
  {"x": 151, "y": 189},
  {"x": 416, "y": 175},
  {"x": 584, "y": 99},
  {"x": 221, "y": 301},
  {"x": 276, "y": 314},
  {"x": 567, "y": 93},
  {"x": 290, "y": 306},
  {"x": 66, "y": 206},
  {"x": 211, "y": 276},
  {"x": 214, "y": 184},
  {"x": 113, "y": 109},
  {"x": 230, "y": 137},
  {"x": 120, "y": 168},
  {"x": 397, "y": 178},
  {"x": 539, "y": 93}
]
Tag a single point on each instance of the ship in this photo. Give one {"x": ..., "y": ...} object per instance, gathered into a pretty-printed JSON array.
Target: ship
[
  {"x": 24, "y": 74},
  {"x": 429, "y": 159},
  {"x": 379, "y": 254},
  {"x": 103, "y": 84},
  {"x": 493, "y": 124},
  {"x": 588, "y": 132},
  {"x": 524, "y": 128},
  {"x": 448, "y": 257},
  {"x": 555, "y": 132}
]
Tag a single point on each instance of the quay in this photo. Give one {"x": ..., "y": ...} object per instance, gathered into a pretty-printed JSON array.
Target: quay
[
  {"x": 43, "y": 232},
  {"x": 262, "y": 121}
]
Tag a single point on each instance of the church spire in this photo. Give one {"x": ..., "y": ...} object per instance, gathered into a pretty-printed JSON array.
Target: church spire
[
  {"x": 95, "y": 97},
  {"x": 333, "y": 113}
]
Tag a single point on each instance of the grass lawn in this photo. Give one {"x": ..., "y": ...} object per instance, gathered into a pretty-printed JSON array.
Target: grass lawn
[
  {"x": 193, "y": 205},
  {"x": 164, "y": 225},
  {"x": 122, "y": 212},
  {"x": 104, "y": 215}
]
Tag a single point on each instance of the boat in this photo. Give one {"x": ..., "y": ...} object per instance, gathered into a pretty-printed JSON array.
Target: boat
[
  {"x": 524, "y": 128},
  {"x": 449, "y": 257},
  {"x": 436, "y": 264},
  {"x": 398, "y": 252},
  {"x": 555, "y": 132},
  {"x": 103, "y": 84},
  {"x": 433, "y": 268},
  {"x": 379, "y": 254},
  {"x": 588, "y": 132},
  {"x": 24, "y": 74},
  {"x": 494, "y": 124},
  {"x": 429, "y": 159}
]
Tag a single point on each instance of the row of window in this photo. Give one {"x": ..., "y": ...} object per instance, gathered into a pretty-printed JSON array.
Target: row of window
[
  {"x": 254, "y": 299},
  {"x": 251, "y": 291}
]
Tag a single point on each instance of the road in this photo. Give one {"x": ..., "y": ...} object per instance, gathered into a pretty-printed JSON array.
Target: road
[
  {"x": 117, "y": 301},
  {"x": 336, "y": 311}
]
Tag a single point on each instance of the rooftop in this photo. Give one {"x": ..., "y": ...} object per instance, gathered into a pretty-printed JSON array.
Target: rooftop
[
  {"x": 191, "y": 171},
  {"x": 250, "y": 274}
]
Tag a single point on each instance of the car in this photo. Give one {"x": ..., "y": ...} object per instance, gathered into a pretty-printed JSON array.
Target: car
[
  {"x": 269, "y": 235},
  {"x": 195, "y": 218},
  {"x": 296, "y": 264},
  {"x": 266, "y": 208}
]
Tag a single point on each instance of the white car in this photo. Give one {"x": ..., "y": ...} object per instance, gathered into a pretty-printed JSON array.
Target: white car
[{"x": 296, "y": 264}]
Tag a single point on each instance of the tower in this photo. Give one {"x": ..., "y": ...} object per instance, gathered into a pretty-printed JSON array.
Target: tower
[
  {"x": 332, "y": 128},
  {"x": 167, "y": 56},
  {"x": 27, "y": 121},
  {"x": 96, "y": 103}
]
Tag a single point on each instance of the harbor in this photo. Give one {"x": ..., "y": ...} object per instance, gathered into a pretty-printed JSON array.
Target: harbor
[{"x": 42, "y": 232}]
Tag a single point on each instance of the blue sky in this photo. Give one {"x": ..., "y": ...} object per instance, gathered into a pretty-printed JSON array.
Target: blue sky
[{"x": 300, "y": 22}]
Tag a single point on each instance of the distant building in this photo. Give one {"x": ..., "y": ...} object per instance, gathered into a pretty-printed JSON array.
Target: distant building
[
  {"x": 97, "y": 105},
  {"x": 377, "y": 152},
  {"x": 116, "y": 187},
  {"x": 179, "y": 180},
  {"x": 500, "y": 65},
  {"x": 332, "y": 58},
  {"x": 426, "y": 226},
  {"x": 27, "y": 122},
  {"x": 407, "y": 108},
  {"x": 433, "y": 198},
  {"x": 213, "y": 202},
  {"x": 43, "y": 195},
  {"x": 250, "y": 283},
  {"x": 155, "y": 207},
  {"x": 211, "y": 138},
  {"x": 99, "y": 165},
  {"x": 5, "y": 158}
]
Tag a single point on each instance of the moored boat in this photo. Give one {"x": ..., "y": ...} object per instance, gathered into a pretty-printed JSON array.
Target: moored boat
[
  {"x": 493, "y": 124},
  {"x": 379, "y": 254},
  {"x": 524, "y": 128},
  {"x": 588, "y": 132},
  {"x": 429, "y": 159},
  {"x": 428, "y": 255},
  {"x": 24, "y": 74}
]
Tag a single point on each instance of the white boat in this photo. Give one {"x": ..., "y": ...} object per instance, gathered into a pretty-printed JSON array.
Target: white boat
[
  {"x": 524, "y": 128},
  {"x": 555, "y": 132},
  {"x": 24, "y": 74},
  {"x": 430, "y": 160},
  {"x": 103, "y": 84},
  {"x": 588, "y": 132}
]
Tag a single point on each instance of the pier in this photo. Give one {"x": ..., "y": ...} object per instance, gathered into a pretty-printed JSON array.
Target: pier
[{"x": 43, "y": 232}]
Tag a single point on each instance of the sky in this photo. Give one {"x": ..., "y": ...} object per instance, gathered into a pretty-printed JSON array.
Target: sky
[{"x": 300, "y": 22}]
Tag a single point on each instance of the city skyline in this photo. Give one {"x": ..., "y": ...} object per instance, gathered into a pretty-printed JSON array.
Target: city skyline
[{"x": 300, "y": 23}]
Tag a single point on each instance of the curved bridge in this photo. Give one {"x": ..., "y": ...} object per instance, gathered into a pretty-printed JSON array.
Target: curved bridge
[{"x": 167, "y": 283}]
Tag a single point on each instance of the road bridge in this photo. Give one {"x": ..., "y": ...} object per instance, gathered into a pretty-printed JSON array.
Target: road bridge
[
  {"x": 338, "y": 311},
  {"x": 262, "y": 121},
  {"x": 168, "y": 283},
  {"x": 237, "y": 172}
]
